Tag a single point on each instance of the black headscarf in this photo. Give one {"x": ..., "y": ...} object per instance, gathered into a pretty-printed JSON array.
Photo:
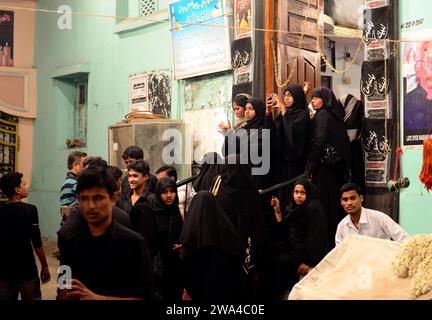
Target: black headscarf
[
  {"x": 298, "y": 96},
  {"x": 305, "y": 228},
  {"x": 160, "y": 224},
  {"x": 295, "y": 209},
  {"x": 210, "y": 168},
  {"x": 331, "y": 103},
  {"x": 158, "y": 205},
  {"x": 207, "y": 225},
  {"x": 258, "y": 121}
]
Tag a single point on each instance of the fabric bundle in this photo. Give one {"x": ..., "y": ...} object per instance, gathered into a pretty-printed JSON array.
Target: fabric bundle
[{"x": 426, "y": 172}]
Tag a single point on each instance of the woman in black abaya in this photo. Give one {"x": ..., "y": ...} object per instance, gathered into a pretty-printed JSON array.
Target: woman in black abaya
[
  {"x": 300, "y": 237},
  {"x": 291, "y": 128},
  {"x": 236, "y": 194},
  {"x": 212, "y": 252},
  {"x": 160, "y": 223},
  {"x": 329, "y": 160},
  {"x": 249, "y": 140}
]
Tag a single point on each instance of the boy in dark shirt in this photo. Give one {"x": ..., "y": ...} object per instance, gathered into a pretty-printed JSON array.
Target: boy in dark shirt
[{"x": 19, "y": 234}]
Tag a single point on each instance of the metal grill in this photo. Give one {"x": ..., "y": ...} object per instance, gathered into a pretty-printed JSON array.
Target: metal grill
[{"x": 148, "y": 7}]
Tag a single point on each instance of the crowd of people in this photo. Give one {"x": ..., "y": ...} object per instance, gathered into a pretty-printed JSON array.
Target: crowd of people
[{"x": 139, "y": 236}]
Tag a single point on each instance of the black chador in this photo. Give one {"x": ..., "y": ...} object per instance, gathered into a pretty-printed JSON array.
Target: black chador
[{"x": 212, "y": 252}]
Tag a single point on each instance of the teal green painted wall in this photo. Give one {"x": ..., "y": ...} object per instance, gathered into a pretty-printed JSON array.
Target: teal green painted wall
[
  {"x": 112, "y": 59},
  {"x": 415, "y": 201}
]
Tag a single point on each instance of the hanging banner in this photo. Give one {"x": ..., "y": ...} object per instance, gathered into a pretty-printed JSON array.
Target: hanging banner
[
  {"x": 243, "y": 18},
  {"x": 417, "y": 87},
  {"x": 377, "y": 160},
  {"x": 241, "y": 60},
  {"x": 6, "y": 38},
  {"x": 377, "y": 26},
  {"x": 200, "y": 37},
  {"x": 373, "y": 86}
]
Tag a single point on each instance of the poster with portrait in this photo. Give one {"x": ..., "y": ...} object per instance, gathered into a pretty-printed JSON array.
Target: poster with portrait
[
  {"x": 243, "y": 18},
  {"x": 6, "y": 38},
  {"x": 417, "y": 87}
]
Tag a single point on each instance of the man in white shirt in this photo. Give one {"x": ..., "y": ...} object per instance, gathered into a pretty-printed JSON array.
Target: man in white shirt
[{"x": 364, "y": 221}]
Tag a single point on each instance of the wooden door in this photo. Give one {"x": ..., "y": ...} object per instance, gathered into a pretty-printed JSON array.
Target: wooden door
[{"x": 298, "y": 56}]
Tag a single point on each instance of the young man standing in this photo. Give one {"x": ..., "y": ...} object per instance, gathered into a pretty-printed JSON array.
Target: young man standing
[
  {"x": 131, "y": 154},
  {"x": 138, "y": 172},
  {"x": 107, "y": 260},
  {"x": 19, "y": 235},
  {"x": 364, "y": 221},
  {"x": 75, "y": 163}
]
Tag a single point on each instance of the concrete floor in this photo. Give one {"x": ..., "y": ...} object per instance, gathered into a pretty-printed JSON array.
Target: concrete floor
[{"x": 49, "y": 290}]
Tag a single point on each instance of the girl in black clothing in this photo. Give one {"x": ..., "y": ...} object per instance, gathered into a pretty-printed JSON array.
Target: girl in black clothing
[
  {"x": 249, "y": 141},
  {"x": 329, "y": 157},
  {"x": 291, "y": 128},
  {"x": 300, "y": 237},
  {"x": 159, "y": 221}
]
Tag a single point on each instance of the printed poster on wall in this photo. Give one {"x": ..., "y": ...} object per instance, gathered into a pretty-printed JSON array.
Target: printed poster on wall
[
  {"x": 6, "y": 38},
  {"x": 243, "y": 18},
  {"x": 200, "y": 37},
  {"x": 151, "y": 92},
  {"x": 377, "y": 160},
  {"x": 138, "y": 93},
  {"x": 417, "y": 87}
]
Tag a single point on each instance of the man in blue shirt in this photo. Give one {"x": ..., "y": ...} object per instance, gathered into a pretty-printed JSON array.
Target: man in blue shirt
[{"x": 68, "y": 194}]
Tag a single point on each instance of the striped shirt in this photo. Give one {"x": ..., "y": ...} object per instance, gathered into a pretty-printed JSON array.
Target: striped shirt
[
  {"x": 68, "y": 193},
  {"x": 373, "y": 224}
]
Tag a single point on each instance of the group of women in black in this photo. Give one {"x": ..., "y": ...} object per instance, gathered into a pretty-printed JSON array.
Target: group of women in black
[{"x": 235, "y": 244}]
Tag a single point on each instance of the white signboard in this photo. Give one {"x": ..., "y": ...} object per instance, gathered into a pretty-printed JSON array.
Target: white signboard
[{"x": 200, "y": 37}]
